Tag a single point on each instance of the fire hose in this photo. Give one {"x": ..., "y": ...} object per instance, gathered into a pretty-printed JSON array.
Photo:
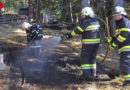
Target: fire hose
[
  {"x": 10, "y": 60},
  {"x": 29, "y": 44},
  {"x": 20, "y": 68},
  {"x": 22, "y": 73},
  {"x": 111, "y": 74}
]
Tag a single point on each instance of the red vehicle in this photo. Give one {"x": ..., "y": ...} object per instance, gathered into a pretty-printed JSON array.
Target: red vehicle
[{"x": 23, "y": 13}]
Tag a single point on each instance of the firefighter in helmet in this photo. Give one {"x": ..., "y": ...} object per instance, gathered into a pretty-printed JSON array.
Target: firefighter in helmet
[
  {"x": 34, "y": 35},
  {"x": 89, "y": 29},
  {"x": 122, "y": 40}
]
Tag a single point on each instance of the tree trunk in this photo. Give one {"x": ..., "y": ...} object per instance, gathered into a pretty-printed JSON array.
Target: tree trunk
[
  {"x": 71, "y": 12},
  {"x": 77, "y": 19},
  {"x": 85, "y": 3},
  {"x": 118, "y": 2},
  {"x": 109, "y": 13},
  {"x": 37, "y": 11},
  {"x": 30, "y": 4}
]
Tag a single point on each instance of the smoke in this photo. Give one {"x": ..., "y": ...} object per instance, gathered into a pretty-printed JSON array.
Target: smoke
[
  {"x": 49, "y": 45},
  {"x": 2, "y": 66},
  {"x": 40, "y": 64},
  {"x": 34, "y": 65}
]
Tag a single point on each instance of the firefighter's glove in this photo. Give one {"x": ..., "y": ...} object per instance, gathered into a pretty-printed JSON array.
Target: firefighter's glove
[
  {"x": 109, "y": 39},
  {"x": 67, "y": 36},
  {"x": 37, "y": 32},
  {"x": 112, "y": 46}
]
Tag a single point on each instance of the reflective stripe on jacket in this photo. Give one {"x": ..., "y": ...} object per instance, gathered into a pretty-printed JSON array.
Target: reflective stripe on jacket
[
  {"x": 89, "y": 29},
  {"x": 122, "y": 34},
  {"x": 127, "y": 77}
]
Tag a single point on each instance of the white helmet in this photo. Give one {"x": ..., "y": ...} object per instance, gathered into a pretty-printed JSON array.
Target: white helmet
[
  {"x": 120, "y": 10},
  {"x": 26, "y": 25},
  {"x": 2, "y": 9},
  {"x": 87, "y": 11}
]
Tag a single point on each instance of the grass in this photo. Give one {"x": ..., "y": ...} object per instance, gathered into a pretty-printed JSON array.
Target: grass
[{"x": 19, "y": 39}]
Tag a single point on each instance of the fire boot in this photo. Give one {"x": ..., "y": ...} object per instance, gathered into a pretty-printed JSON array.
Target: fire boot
[
  {"x": 87, "y": 76},
  {"x": 126, "y": 83}
]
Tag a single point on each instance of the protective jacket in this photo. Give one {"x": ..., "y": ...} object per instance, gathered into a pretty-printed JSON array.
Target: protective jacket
[
  {"x": 34, "y": 32},
  {"x": 122, "y": 35},
  {"x": 89, "y": 29}
]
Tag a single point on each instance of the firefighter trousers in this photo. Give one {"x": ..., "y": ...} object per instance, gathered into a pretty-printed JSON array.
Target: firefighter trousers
[
  {"x": 125, "y": 65},
  {"x": 88, "y": 59},
  {"x": 35, "y": 48}
]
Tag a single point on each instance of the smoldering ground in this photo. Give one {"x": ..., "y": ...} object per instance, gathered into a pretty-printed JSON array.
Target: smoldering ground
[
  {"x": 54, "y": 66},
  {"x": 34, "y": 65}
]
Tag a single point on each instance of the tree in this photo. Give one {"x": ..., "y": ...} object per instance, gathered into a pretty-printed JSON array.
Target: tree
[
  {"x": 118, "y": 2},
  {"x": 85, "y": 3},
  {"x": 71, "y": 11},
  {"x": 66, "y": 10}
]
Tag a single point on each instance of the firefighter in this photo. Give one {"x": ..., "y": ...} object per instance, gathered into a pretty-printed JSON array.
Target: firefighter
[
  {"x": 89, "y": 29},
  {"x": 122, "y": 40},
  {"x": 34, "y": 35},
  {"x": 26, "y": 27}
]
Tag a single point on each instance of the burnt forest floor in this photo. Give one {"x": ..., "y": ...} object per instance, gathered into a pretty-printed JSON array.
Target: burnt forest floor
[{"x": 56, "y": 67}]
